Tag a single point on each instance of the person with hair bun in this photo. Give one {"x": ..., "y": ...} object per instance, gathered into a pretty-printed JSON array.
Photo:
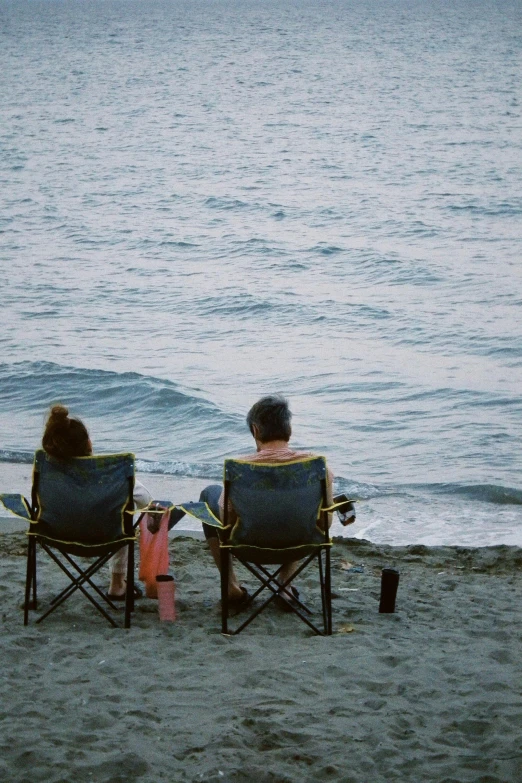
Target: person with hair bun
[{"x": 66, "y": 437}]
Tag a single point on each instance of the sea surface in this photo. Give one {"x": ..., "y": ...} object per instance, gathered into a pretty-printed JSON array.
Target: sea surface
[{"x": 205, "y": 201}]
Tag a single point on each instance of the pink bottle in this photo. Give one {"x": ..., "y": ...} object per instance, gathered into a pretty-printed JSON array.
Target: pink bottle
[{"x": 166, "y": 597}]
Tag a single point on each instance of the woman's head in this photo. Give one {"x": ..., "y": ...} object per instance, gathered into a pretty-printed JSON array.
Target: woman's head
[
  {"x": 65, "y": 437},
  {"x": 270, "y": 419}
]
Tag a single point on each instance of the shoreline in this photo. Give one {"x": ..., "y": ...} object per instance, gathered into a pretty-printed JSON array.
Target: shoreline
[{"x": 389, "y": 519}]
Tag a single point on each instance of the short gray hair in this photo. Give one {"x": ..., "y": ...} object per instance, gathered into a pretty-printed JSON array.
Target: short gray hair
[{"x": 272, "y": 417}]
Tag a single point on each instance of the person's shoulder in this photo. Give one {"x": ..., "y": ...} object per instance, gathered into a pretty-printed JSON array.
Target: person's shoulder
[
  {"x": 307, "y": 455},
  {"x": 247, "y": 457}
]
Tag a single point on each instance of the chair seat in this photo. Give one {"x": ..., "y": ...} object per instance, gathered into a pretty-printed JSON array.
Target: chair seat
[
  {"x": 276, "y": 556},
  {"x": 82, "y": 550}
]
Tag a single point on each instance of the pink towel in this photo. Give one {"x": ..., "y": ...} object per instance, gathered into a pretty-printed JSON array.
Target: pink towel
[{"x": 154, "y": 553}]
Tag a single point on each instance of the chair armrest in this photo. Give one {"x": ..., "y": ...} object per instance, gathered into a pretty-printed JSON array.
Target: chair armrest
[
  {"x": 154, "y": 507},
  {"x": 17, "y": 504},
  {"x": 345, "y": 508},
  {"x": 339, "y": 505},
  {"x": 202, "y": 512},
  {"x": 198, "y": 510}
]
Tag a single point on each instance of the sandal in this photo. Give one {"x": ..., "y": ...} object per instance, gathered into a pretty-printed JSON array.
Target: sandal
[
  {"x": 240, "y": 601},
  {"x": 285, "y": 603}
]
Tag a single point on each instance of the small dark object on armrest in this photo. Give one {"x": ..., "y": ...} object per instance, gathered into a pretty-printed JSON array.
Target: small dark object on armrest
[
  {"x": 153, "y": 524},
  {"x": 346, "y": 512}
]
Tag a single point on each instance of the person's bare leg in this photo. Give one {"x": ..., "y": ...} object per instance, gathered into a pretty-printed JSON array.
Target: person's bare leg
[
  {"x": 234, "y": 588},
  {"x": 286, "y": 572},
  {"x": 118, "y": 569},
  {"x": 118, "y": 585}
]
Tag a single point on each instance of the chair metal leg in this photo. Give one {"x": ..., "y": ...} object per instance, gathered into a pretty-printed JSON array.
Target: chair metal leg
[
  {"x": 87, "y": 573},
  {"x": 129, "y": 595},
  {"x": 224, "y": 570},
  {"x": 34, "y": 603},
  {"x": 77, "y": 584},
  {"x": 30, "y": 580},
  {"x": 328, "y": 590},
  {"x": 323, "y": 592},
  {"x": 270, "y": 582},
  {"x": 78, "y": 581}
]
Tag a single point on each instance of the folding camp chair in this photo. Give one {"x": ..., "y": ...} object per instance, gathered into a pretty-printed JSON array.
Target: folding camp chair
[
  {"x": 80, "y": 507},
  {"x": 281, "y": 518}
]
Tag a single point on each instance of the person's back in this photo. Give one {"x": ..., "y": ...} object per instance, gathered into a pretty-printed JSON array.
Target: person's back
[
  {"x": 269, "y": 421},
  {"x": 65, "y": 438}
]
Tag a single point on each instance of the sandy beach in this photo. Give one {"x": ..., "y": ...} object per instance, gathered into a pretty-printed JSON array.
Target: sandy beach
[{"x": 430, "y": 693}]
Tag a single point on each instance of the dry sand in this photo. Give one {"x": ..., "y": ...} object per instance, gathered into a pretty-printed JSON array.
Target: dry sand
[{"x": 430, "y": 693}]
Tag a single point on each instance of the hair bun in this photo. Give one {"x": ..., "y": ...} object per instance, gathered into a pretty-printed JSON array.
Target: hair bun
[
  {"x": 65, "y": 437},
  {"x": 59, "y": 412}
]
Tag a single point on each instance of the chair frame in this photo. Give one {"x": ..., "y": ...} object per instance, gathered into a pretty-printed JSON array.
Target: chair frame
[
  {"x": 83, "y": 576},
  {"x": 268, "y": 578}
]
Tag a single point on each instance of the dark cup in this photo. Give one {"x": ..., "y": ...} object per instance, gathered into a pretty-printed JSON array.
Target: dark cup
[
  {"x": 346, "y": 512},
  {"x": 389, "y": 585}
]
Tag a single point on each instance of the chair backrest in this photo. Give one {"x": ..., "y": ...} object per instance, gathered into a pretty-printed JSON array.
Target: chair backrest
[
  {"x": 278, "y": 505},
  {"x": 83, "y": 499}
]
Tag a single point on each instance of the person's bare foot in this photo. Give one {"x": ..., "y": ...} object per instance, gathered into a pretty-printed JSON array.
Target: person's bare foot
[
  {"x": 286, "y": 598},
  {"x": 238, "y": 600},
  {"x": 236, "y": 592},
  {"x": 118, "y": 586}
]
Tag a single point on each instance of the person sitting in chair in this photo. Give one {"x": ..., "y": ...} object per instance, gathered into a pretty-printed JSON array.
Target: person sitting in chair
[
  {"x": 269, "y": 421},
  {"x": 66, "y": 437}
]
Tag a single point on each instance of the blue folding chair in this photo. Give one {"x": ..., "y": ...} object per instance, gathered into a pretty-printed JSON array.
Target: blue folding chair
[
  {"x": 81, "y": 507},
  {"x": 282, "y": 517}
]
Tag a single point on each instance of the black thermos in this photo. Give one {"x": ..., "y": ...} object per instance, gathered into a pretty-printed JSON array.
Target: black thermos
[{"x": 389, "y": 585}]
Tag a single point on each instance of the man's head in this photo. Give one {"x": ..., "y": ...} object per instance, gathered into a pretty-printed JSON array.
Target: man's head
[{"x": 270, "y": 419}]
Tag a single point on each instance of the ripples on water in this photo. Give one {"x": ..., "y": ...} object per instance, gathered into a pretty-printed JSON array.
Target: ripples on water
[{"x": 205, "y": 201}]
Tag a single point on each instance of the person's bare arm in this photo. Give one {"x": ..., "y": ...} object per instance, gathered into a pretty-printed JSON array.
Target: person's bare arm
[
  {"x": 232, "y": 516},
  {"x": 329, "y": 496}
]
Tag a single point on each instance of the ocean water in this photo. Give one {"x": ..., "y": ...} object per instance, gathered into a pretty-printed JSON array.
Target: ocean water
[{"x": 205, "y": 201}]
